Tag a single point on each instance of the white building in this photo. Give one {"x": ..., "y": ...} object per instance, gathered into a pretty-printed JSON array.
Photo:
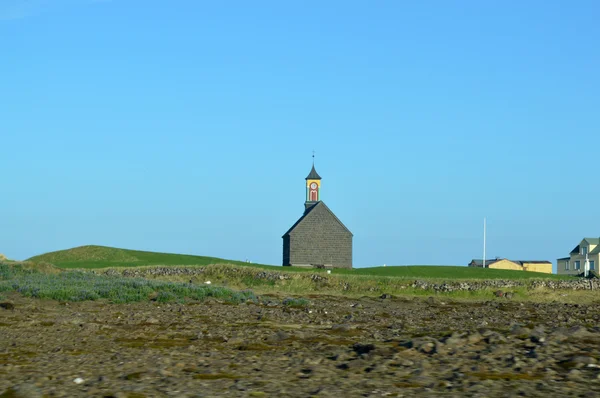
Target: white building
[{"x": 587, "y": 250}]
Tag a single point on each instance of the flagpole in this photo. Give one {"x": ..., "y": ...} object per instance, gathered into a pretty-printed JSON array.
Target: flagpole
[{"x": 483, "y": 242}]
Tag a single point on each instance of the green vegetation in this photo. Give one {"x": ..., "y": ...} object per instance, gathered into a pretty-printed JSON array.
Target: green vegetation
[
  {"x": 102, "y": 257},
  {"x": 279, "y": 282},
  {"x": 167, "y": 278},
  {"x": 178, "y": 283},
  {"x": 88, "y": 257},
  {"x": 448, "y": 272},
  {"x": 296, "y": 302},
  {"x": 81, "y": 286}
]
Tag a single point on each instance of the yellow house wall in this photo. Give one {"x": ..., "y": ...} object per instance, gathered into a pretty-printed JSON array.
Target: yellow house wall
[
  {"x": 506, "y": 264},
  {"x": 308, "y": 182},
  {"x": 534, "y": 267}
]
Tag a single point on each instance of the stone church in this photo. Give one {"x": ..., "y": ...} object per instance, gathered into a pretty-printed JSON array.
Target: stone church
[{"x": 318, "y": 238}]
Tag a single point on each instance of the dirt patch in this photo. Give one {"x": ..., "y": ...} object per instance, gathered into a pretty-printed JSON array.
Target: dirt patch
[{"x": 331, "y": 346}]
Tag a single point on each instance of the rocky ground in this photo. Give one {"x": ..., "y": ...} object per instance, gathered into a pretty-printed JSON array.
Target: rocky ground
[{"x": 373, "y": 347}]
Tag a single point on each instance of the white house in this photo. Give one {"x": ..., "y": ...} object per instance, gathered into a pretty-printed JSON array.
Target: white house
[{"x": 587, "y": 250}]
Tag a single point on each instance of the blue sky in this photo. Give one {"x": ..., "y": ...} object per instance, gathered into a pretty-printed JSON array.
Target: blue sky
[{"x": 188, "y": 126}]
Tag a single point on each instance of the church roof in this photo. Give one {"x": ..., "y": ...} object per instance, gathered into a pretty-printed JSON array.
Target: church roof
[
  {"x": 313, "y": 174},
  {"x": 318, "y": 205}
]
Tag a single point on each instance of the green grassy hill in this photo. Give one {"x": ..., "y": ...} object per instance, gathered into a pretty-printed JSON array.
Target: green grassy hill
[
  {"x": 102, "y": 257},
  {"x": 448, "y": 272}
]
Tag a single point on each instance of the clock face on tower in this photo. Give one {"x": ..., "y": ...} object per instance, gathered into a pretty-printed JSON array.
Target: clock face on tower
[{"x": 313, "y": 185}]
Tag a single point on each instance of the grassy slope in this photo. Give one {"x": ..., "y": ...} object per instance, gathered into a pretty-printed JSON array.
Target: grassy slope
[{"x": 102, "y": 257}]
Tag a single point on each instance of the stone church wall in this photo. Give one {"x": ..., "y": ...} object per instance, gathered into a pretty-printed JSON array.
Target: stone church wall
[{"x": 319, "y": 239}]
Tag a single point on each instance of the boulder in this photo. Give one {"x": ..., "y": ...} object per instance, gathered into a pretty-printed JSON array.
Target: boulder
[{"x": 26, "y": 390}]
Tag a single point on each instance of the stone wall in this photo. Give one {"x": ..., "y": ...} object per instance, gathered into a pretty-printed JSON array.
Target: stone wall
[
  {"x": 574, "y": 284},
  {"x": 322, "y": 279}
]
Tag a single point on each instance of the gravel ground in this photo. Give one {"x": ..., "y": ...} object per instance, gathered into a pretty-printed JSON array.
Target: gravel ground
[{"x": 372, "y": 347}]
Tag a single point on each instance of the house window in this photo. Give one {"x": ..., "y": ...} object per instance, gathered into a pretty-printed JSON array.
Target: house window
[
  {"x": 583, "y": 250},
  {"x": 592, "y": 265},
  {"x": 567, "y": 265},
  {"x": 577, "y": 264}
]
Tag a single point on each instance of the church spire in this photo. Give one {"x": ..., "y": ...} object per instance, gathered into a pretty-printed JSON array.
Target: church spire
[
  {"x": 313, "y": 175},
  {"x": 313, "y": 186}
]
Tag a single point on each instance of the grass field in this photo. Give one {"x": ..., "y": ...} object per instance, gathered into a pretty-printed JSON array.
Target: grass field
[
  {"x": 86, "y": 257},
  {"x": 103, "y": 257},
  {"x": 178, "y": 277},
  {"x": 448, "y": 272}
]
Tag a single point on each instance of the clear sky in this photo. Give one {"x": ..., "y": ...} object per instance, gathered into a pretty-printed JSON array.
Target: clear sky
[{"x": 188, "y": 126}]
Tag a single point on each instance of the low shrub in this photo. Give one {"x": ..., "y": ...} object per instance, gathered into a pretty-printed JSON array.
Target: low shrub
[
  {"x": 296, "y": 302},
  {"x": 82, "y": 286}
]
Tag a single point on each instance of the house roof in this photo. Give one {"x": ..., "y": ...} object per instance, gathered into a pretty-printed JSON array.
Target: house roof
[
  {"x": 564, "y": 258},
  {"x": 479, "y": 263},
  {"x": 313, "y": 174},
  {"x": 590, "y": 241},
  {"x": 309, "y": 210}
]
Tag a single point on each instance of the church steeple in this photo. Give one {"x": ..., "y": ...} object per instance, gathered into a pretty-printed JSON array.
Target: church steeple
[
  {"x": 318, "y": 238},
  {"x": 313, "y": 175},
  {"x": 313, "y": 187}
]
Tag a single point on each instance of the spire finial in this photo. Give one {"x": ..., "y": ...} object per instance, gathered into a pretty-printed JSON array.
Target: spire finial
[{"x": 313, "y": 157}]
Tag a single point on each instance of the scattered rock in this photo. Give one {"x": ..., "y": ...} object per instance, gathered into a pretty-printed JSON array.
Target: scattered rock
[
  {"x": 455, "y": 340},
  {"x": 25, "y": 390},
  {"x": 520, "y": 332},
  {"x": 363, "y": 348},
  {"x": 427, "y": 347},
  {"x": 578, "y": 361},
  {"x": 559, "y": 335},
  {"x": 579, "y": 332},
  {"x": 474, "y": 338},
  {"x": 341, "y": 328},
  {"x": 279, "y": 336},
  {"x": 574, "y": 375}
]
